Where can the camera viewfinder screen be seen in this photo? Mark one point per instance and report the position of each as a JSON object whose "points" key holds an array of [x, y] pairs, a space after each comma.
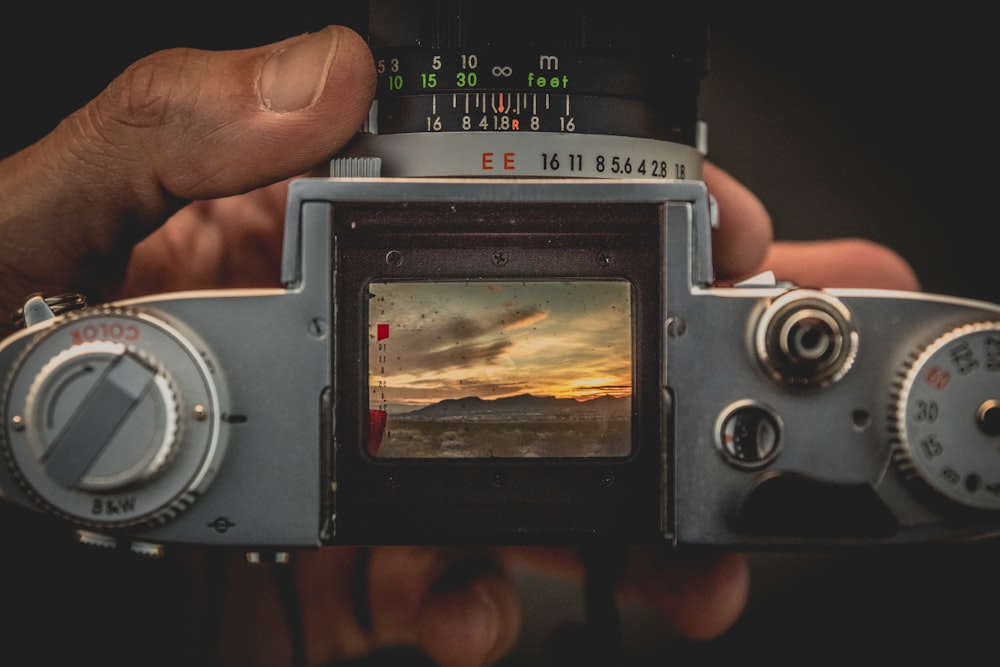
{"points": [[518, 369]]}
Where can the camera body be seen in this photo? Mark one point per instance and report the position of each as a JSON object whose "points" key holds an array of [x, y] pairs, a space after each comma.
{"points": [[507, 361], [499, 323]]}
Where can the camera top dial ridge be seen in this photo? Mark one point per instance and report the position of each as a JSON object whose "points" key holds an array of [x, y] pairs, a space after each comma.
{"points": [[946, 417]]}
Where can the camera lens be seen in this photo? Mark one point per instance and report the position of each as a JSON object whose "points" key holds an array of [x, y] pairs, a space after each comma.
{"points": [[544, 88]]}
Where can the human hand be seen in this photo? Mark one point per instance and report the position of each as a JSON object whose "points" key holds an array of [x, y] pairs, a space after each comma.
{"points": [[174, 178], [743, 246], [179, 126]]}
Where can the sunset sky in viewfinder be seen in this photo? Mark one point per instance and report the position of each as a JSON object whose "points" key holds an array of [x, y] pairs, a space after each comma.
{"points": [[568, 339]]}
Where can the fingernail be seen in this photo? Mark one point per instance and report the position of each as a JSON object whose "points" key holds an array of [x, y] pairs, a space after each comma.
{"points": [[294, 77]]}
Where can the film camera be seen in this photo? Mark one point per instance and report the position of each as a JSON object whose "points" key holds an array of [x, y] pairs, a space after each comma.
{"points": [[500, 323]]}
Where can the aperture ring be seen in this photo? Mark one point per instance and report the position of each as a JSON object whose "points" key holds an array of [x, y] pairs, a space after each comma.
{"points": [[519, 154]]}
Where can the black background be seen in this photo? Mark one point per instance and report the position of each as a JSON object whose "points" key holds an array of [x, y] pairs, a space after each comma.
{"points": [[845, 122]]}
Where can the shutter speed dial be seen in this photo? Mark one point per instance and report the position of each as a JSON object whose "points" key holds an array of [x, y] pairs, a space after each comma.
{"points": [[947, 416], [114, 418]]}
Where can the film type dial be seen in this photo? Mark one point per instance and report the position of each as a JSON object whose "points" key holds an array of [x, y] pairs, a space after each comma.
{"points": [[113, 419], [946, 416]]}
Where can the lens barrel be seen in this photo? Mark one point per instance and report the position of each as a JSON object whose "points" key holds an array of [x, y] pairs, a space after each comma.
{"points": [[532, 89], [556, 66]]}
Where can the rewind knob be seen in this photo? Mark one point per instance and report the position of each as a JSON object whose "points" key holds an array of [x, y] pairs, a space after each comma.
{"points": [[114, 417], [101, 417]]}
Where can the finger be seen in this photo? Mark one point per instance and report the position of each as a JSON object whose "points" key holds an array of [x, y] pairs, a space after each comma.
{"points": [[840, 263], [457, 605], [177, 125], [699, 596], [221, 243], [743, 237], [469, 617]]}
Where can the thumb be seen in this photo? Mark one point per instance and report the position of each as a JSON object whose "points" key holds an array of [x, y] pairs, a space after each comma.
{"points": [[178, 125]]}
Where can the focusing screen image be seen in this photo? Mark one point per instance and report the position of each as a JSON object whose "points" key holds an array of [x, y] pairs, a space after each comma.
{"points": [[500, 369]]}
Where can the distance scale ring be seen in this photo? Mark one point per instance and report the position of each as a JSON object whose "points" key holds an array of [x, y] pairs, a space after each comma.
{"points": [[612, 72], [113, 418], [945, 420]]}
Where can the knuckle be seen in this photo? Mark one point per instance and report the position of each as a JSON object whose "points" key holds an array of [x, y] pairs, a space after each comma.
{"points": [[149, 92]]}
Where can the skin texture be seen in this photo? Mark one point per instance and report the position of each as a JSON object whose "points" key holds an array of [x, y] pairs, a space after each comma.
{"points": [[183, 161]]}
